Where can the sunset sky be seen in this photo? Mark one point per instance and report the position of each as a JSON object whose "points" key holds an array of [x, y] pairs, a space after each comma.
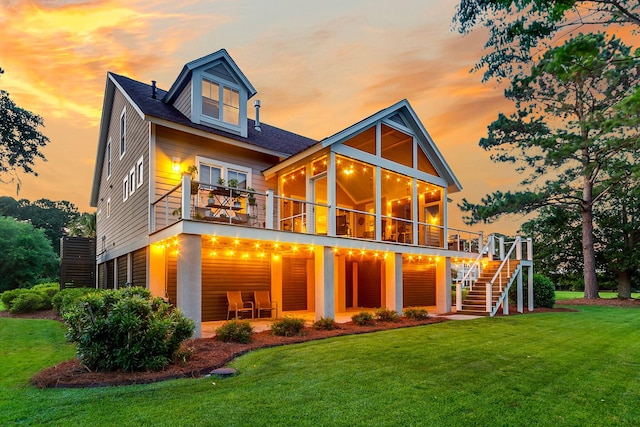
{"points": [[318, 67]]}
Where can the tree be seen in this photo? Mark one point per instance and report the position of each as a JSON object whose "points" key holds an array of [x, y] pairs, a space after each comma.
{"points": [[518, 29], [26, 255], [569, 131], [20, 140], [83, 226]]}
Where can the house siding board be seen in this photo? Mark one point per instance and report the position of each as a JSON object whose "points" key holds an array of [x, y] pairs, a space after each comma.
{"points": [[220, 274], [109, 274], [139, 267], [183, 101], [128, 221], [419, 284], [101, 276], [369, 283], [294, 284], [122, 271]]}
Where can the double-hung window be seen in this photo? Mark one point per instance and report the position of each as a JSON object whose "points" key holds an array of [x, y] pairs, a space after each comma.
{"points": [[109, 158], [220, 102], [210, 172], [123, 132]]}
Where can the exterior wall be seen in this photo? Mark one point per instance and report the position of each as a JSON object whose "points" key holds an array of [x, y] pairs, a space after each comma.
{"points": [[419, 284], [126, 229], [171, 143], [183, 101], [139, 267], [294, 284]]}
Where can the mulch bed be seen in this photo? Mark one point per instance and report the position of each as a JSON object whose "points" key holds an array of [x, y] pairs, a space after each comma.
{"points": [[209, 354]]}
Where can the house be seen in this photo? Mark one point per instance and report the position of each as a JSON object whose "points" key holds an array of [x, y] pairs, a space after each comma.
{"points": [[356, 220]]}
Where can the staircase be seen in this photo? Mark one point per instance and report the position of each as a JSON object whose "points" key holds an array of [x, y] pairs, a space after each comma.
{"points": [[475, 303]]}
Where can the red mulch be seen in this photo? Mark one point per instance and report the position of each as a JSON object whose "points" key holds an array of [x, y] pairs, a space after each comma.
{"points": [[209, 354]]}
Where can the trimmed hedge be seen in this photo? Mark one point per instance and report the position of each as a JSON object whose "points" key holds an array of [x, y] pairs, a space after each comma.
{"points": [[126, 329], [27, 300], [288, 326], [239, 331], [68, 297]]}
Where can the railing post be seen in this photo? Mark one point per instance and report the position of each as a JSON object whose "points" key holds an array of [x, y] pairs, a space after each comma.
{"points": [[501, 241], [492, 246], [488, 294], [529, 249], [480, 241], [186, 196], [518, 248], [505, 306], [269, 218], [459, 295]]}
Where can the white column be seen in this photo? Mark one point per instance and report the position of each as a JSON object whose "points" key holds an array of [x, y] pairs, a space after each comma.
{"points": [[269, 210], [324, 283], [186, 196], [378, 201], [443, 285], [189, 279], [530, 288], [519, 290], [393, 282], [331, 195]]}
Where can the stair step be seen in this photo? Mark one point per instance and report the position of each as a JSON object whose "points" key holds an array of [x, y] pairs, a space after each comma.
{"points": [[472, 312]]}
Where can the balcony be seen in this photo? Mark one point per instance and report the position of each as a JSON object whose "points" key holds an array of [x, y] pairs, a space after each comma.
{"points": [[248, 208]]}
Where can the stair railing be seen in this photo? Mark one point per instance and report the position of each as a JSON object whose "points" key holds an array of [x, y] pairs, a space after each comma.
{"points": [[477, 264], [498, 275]]}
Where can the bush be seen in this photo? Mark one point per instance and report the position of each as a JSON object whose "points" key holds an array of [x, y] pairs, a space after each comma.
{"points": [[235, 331], [27, 302], [325, 323], [7, 297], [288, 326], [364, 318], [68, 297], [544, 292], [125, 329], [416, 313], [387, 315]]}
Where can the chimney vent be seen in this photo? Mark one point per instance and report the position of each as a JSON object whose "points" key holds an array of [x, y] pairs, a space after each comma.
{"points": [[257, 105], [154, 89]]}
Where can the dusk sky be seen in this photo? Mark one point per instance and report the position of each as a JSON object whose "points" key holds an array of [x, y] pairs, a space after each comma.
{"points": [[318, 67]]}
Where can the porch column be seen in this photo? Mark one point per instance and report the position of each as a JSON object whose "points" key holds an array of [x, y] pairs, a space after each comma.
{"points": [[443, 285], [276, 284], [393, 282], [189, 279], [530, 288], [324, 283]]}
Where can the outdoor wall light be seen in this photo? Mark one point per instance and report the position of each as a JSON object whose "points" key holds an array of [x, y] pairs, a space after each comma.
{"points": [[175, 164]]}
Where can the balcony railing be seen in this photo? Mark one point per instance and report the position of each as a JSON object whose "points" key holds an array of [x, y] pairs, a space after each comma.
{"points": [[249, 208]]}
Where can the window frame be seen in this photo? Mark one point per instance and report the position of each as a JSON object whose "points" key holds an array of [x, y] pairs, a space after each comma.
{"points": [[140, 172], [123, 132], [224, 169], [109, 166], [222, 86], [109, 207], [132, 181], [125, 188]]}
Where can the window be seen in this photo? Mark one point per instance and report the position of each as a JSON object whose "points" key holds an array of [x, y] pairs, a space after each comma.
{"points": [[125, 189], [212, 93], [108, 207], [132, 181], [123, 132], [139, 172], [109, 158], [210, 171]]}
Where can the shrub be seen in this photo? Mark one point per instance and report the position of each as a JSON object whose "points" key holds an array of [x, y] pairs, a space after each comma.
{"points": [[544, 292], [235, 331], [27, 302], [68, 297], [288, 326], [8, 297], [325, 323], [416, 313], [364, 318], [125, 329], [48, 291], [387, 315]]}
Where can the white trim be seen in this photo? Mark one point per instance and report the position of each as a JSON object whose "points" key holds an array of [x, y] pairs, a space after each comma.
{"points": [[122, 125], [140, 172], [132, 180], [126, 96], [109, 165], [109, 207], [197, 116], [224, 168], [125, 188]]}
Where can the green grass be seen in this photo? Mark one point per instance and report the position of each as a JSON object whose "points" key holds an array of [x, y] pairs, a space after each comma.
{"points": [[549, 369], [562, 295]]}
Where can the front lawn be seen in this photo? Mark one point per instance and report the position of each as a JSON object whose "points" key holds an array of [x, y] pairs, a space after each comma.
{"points": [[570, 368], [563, 295]]}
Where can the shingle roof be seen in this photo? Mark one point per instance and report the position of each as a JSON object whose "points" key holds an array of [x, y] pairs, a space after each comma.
{"points": [[270, 137]]}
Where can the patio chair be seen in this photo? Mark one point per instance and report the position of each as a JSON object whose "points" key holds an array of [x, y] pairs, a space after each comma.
{"points": [[236, 304], [263, 302]]}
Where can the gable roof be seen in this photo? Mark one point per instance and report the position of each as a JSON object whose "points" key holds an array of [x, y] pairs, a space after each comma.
{"points": [[401, 110], [269, 139], [185, 75]]}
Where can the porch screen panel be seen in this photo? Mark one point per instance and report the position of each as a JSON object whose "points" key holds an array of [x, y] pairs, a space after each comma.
{"points": [[139, 267], [122, 271], [294, 284], [419, 284], [229, 273], [369, 284], [109, 275]]}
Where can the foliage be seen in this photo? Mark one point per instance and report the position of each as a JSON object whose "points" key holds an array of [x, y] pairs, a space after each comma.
{"points": [[83, 226], [544, 292], [325, 324], [364, 318], [415, 313], [67, 298], [25, 255], [20, 139], [288, 326], [386, 315], [50, 216], [518, 29], [239, 331], [126, 329], [28, 302], [568, 134]]}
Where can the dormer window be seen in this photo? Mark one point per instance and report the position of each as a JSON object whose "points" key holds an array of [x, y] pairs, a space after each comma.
{"points": [[212, 93]]}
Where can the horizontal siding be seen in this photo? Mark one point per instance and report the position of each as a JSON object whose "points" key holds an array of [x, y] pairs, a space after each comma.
{"points": [[294, 284], [419, 284], [122, 270], [369, 283], [183, 101], [139, 267], [128, 222]]}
